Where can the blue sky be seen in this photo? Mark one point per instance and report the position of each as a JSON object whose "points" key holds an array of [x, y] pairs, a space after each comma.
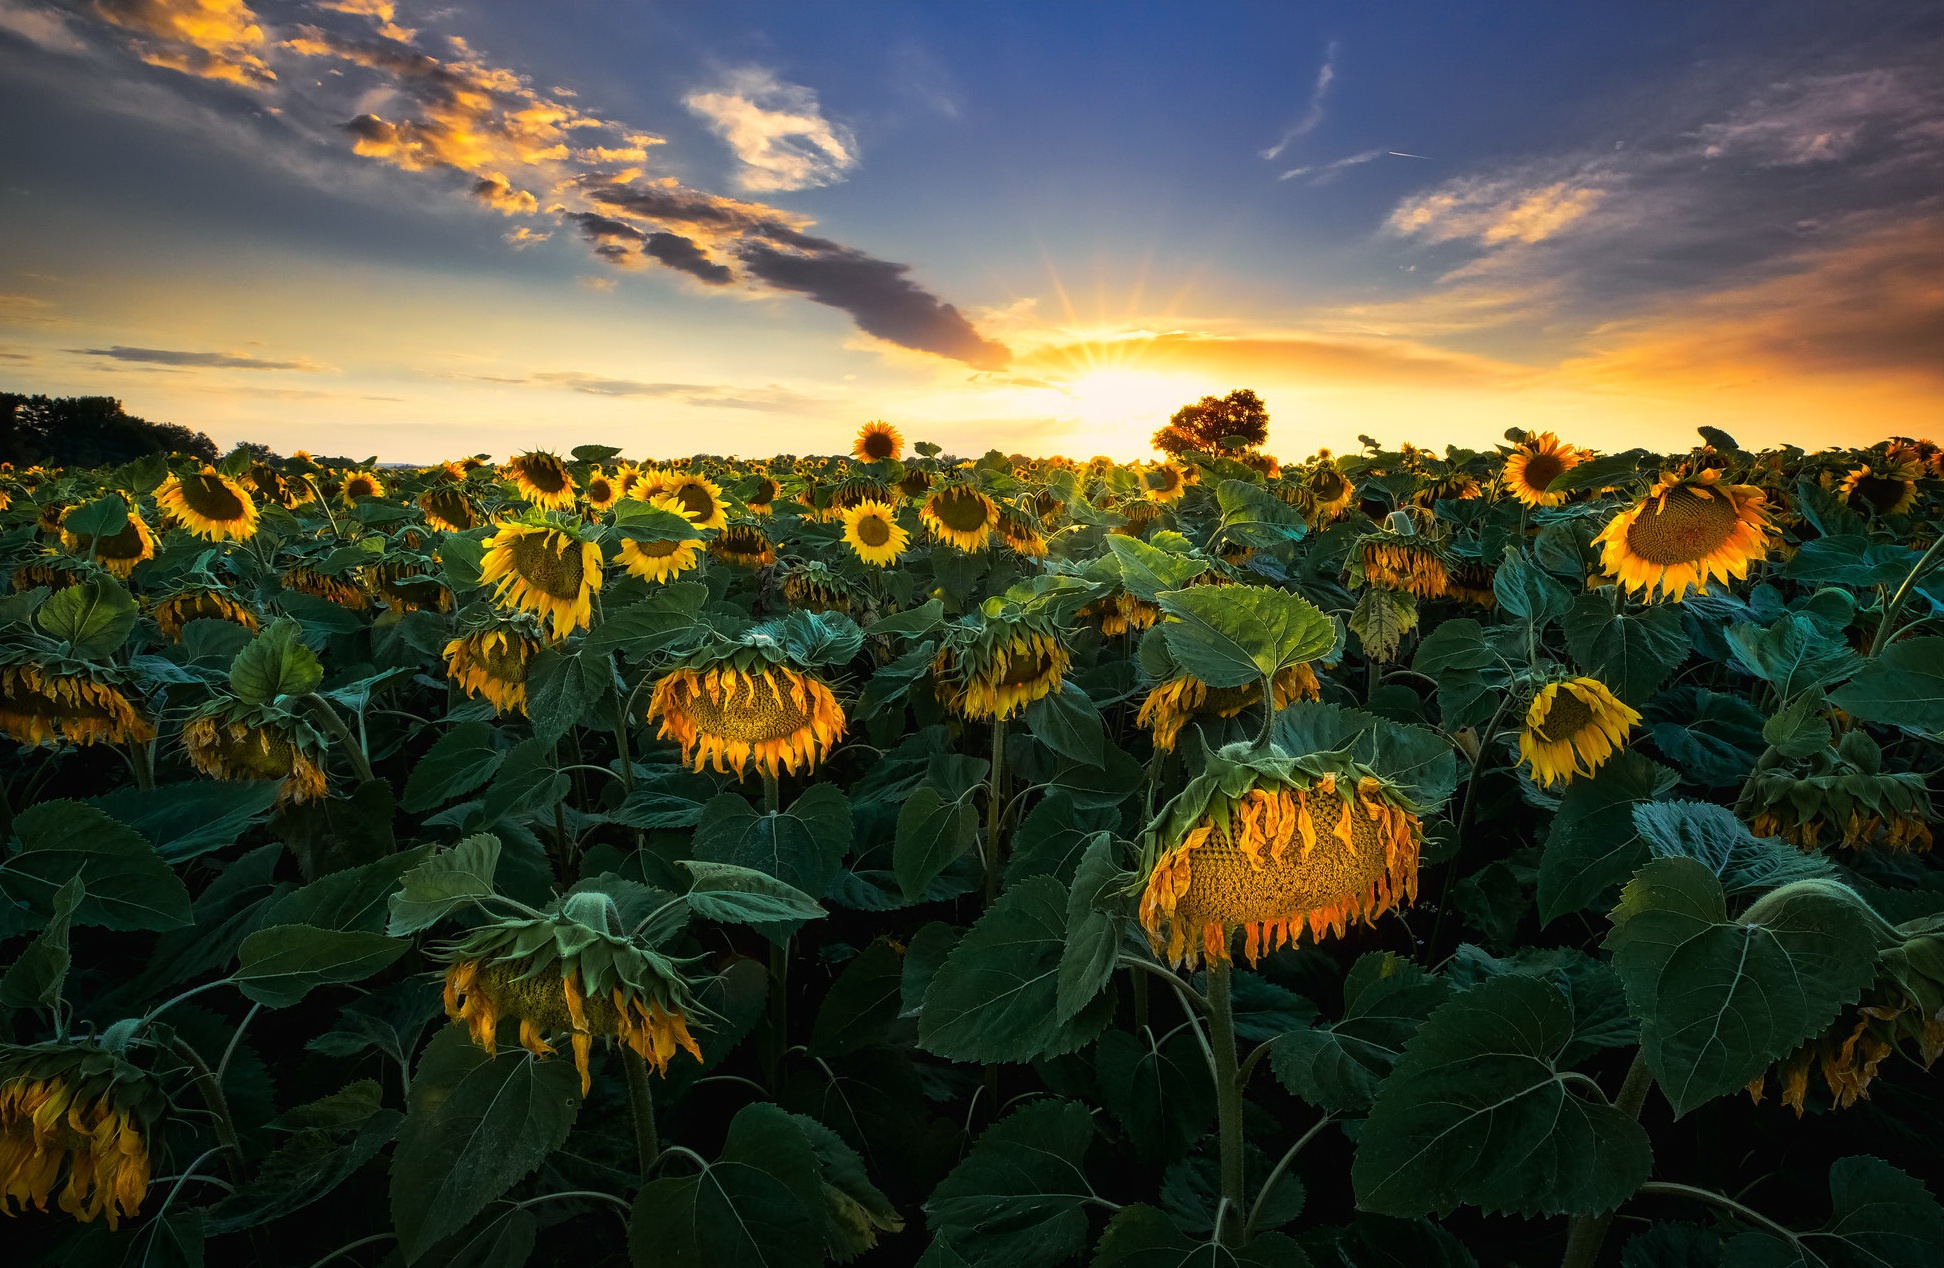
{"points": [[424, 229]]}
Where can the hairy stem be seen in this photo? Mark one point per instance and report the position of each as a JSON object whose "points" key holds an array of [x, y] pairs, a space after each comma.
{"points": [[641, 1099], [1895, 606], [1585, 1234], [342, 734], [212, 1096], [1228, 1087], [995, 802]]}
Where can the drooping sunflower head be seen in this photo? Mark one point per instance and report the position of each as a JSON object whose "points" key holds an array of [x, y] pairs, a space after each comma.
{"points": [[1571, 728], [1456, 486], [39, 704], [662, 560], [212, 506], [744, 546], [362, 484], [1270, 845], [1535, 464], [571, 974], [738, 712], [994, 670], [75, 1112], [117, 552], [224, 747], [959, 515], [410, 587], [1164, 482], [813, 587], [1020, 535], [267, 484], [542, 479], [878, 441], [873, 533], [50, 513], [1411, 562], [853, 492], [200, 603], [1841, 797], [762, 499], [699, 495], [1328, 491], [1884, 487], [492, 664], [447, 508], [916, 483], [1686, 533], [544, 569], [345, 589], [56, 572], [1470, 581], [1141, 514], [1171, 705], [602, 491]]}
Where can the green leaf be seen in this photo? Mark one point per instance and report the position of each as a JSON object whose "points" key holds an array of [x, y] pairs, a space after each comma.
{"points": [[862, 1003], [1527, 592], [1142, 1237], [1712, 836], [1053, 836], [1717, 998], [758, 1205], [1228, 636], [475, 1125], [280, 965], [1019, 1199], [1477, 1112], [743, 895], [802, 846], [1879, 1217], [1456, 644], [1381, 619], [1158, 1088], [647, 626], [1792, 655], [354, 898], [92, 616], [556, 692], [103, 517], [459, 761], [1631, 652], [639, 521], [128, 885], [1904, 686], [1256, 517], [1339, 1065], [1613, 469], [34, 980], [996, 997], [184, 821], [276, 663], [910, 623], [1067, 722], [1593, 844], [1093, 935], [855, 1211], [1146, 571], [932, 833], [336, 1137], [1800, 730], [448, 879]]}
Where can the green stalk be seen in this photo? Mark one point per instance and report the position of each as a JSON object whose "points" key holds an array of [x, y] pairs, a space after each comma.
{"points": [[212, 1096], [995, 803], [342, 734], [641, 1099], [1896, 603], [1585, 1234], [1228, 1091]]}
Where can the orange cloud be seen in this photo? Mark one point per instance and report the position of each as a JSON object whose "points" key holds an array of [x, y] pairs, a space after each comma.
{"points": [[1283, 357], [1494, 212], [497, 192], [211, 39]]}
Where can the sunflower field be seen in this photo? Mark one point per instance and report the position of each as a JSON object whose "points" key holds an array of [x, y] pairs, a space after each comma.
{"points": [[1392, 859]]}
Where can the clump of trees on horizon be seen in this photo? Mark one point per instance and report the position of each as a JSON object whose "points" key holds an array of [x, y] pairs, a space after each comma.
{"points": [[87, 431]]}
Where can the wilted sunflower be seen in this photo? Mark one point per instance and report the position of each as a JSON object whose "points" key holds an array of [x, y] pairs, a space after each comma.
{"points": [[812, 587], [117, 552], [343, 589], [49, 514], [1840, 797], [546, 570], [1884, 487], [77, 1110], [1000, 669], [574, 974], [54, 572], [915, 483], [223, 747], [730, 717], [213, 507], [878, 441], [699, 495], [1458, 486], [410, 587], [1326, 489], [763, 500], [1171, 705], [1571, 728], [38, 705], [1470, 581], [662, 560], [1271, 845], [1409, 562], [602, 490], [873, 534], [1020, 536], [1536, 464], [361, 484], [1686, 533], [447, 508], [959, 515], [1120, 613], [492, 664], [1164, 482], [542, 479], [1140, 515], [744, 546], [201, 603]]}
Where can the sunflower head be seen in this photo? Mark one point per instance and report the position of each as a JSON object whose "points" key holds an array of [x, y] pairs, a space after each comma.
{"points": [[994, 667], [738, 711], [570, 975], [1535, 464], [1399, 560], [542, 479], [56, 572], [662, 560], [813, 587], [699, 495], [915, 483], [1840, 797], [1885, 487], [212, 506], [1271, 845], [544, 568], [78, 1113], [1164, 482], [447, 508], [362, 484], [1326, 491], [602, 491], [744, 546], [409, 587], [1021, 536], [118, 552], [491, 663], [1470, 581], [200, 603], [1571, 728], [345, 589], [762, 499], [49, 514], [878, 441], [39, 704], [959, 515], [1686, 533], [1171, 705], [873, 533], [225, 747]]}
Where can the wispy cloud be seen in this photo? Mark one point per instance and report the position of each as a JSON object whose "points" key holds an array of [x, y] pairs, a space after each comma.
{"points": [[211, 39], [206, 360], [1312, 115], [41, 27], [27, 310], [1324, 173], [1494, 210], [700, 394], [777, 131]]}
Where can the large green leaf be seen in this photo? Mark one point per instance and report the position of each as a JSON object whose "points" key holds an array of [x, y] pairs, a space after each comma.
{"points": [[1069, 723], [1096, 923], [1631, 652], [1158, 1087], [862, 1004], [650, 624], [1879, 1218], [1256, 517], [1593, 844], [1902, 687], [280, 965], [1714, 837], [1228, 636], [1143, 1237], [276, 663], [93, 616], [758, 1205], [459, 761], [475, 1124], [449, 879], [103, 517], [1792, 655], [743, 895], [802, 846], [1019, 1199], [35, 979], [933, 831], [189, 819], [1146, 571], [128, 884], [333, 1138], [1719, 998], [1339, 1065], [1478, 1111], [355, 898]]}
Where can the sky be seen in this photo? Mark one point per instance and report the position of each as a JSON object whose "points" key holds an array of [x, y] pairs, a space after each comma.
{"points": [[419, 229]]}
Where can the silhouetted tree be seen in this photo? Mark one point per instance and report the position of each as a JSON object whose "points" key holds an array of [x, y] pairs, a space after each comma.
{"points": [[1229, 424], [87, 431]]}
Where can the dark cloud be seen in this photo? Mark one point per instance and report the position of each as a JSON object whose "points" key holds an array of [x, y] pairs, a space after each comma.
{"points": [[621, 243], [212, 360], [682, 253], [703, 394]]}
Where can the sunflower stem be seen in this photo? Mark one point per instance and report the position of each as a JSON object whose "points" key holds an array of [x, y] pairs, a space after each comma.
{"points": [[779, 1011], [1585, 1234], [995, 802], [621, 747], [212, 1096], [772, 793], [641, 1099], [1269, 712], [142, 760], [1895, 605], [1228, 1085], [342, 734]]}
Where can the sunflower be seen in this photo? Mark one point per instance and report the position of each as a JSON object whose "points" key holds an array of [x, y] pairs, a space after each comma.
{"points": [[872, 533], [1882, 488], [542, 479], [915, 483], [1172, 704], [447, 508], [699, 495], [770, 715], [763, 500], [49, 514], [960, 515], [1020, 536], [1470, 581], [812, 587], [361, 484], [1140, 515], [660, 561], [1164, 482], [1686, 533], [1327, 491], [744, 546], [1269, 845], [1845, 796], [38, 705], [574, 974], [343, 589], [545, 570], [1571, 728], [408, 587], [213, 507], [1536, 463], [602, 490], [267, 484], [79, 1110], [1120, 613], [878, 441], [1000, 670], [222, 747], [1456, 487], [118, 552], [1402, 561], [203, 603], [492, 664], [54, 572]]}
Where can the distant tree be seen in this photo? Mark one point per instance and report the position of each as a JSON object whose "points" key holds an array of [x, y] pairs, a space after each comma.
{"points": [[87, 431], [1231, 424]]}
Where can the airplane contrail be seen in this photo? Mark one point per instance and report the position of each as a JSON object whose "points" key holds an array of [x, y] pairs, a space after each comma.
{"points": [[1402, 154]]}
